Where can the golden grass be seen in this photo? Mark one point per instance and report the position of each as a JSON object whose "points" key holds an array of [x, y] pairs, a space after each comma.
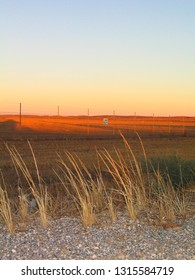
{"points": [[111, 207], [86, 192], [23, 206], [39, 192], [91, 192], [5, 209]]}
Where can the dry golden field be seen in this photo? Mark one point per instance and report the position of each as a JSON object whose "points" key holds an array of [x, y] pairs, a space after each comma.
{"points": [[84, 135], [93, 126]]}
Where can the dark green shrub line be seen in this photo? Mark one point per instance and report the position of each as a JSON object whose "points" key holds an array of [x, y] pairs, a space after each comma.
{"points": [[180, 172]]}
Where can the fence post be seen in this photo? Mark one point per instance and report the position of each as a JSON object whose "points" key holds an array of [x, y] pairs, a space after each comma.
{"points": [[20, 115]]}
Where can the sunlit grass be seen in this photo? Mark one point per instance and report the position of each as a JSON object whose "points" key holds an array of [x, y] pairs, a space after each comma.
{"points": [[5, 209], [86, 192], [38, 191], [133, 185]]}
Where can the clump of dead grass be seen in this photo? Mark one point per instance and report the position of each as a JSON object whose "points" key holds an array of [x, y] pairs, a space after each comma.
{"points": [[86, 192], [39, 191], [5, 209]]}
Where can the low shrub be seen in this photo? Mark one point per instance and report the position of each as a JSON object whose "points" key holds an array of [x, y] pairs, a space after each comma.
{"points": [[180, 172]]}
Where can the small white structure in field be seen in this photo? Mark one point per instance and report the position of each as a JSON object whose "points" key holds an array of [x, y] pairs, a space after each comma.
{"points": [[105, 121]]}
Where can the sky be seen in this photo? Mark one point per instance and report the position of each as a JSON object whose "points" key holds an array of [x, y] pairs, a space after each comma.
{"points": [[125, 56]]}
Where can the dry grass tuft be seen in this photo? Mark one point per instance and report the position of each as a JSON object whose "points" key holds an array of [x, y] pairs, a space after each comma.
{"points": [[111, 207], [5, 210], [86, 192], [23, 207], [39, 192]]}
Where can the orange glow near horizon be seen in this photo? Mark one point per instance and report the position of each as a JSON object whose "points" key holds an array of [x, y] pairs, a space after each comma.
{"points": [[76, 101]]}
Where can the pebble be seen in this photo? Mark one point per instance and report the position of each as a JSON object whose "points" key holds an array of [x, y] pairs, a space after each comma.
{"points": [[67, 239]]}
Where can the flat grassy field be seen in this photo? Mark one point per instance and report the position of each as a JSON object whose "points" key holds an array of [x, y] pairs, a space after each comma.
{"points": [[84, 135], [94, 126]]}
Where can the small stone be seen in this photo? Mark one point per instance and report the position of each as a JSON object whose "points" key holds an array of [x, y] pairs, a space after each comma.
{"points": [[153, 256], [32, 204], [122, 257], [139, 254], [174, 228], [13, 251]]}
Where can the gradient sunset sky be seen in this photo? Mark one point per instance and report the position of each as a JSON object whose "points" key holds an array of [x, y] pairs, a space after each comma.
{"points": [[123, 55]]}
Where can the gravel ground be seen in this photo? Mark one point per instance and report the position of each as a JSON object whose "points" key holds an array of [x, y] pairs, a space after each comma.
{"points": [[66, 238]]}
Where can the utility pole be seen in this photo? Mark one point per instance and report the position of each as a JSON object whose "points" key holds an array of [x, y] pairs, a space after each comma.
{"points": [[153, 124], [20, 115], [169, 124], [184, 130], [113, 131], [88, 121], [135, 121]]}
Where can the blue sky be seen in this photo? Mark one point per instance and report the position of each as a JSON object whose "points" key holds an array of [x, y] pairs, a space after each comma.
{"points": [[127, 55]]}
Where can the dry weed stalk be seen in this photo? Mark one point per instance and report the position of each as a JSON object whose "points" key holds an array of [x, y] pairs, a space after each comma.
{"points": [[111, 208], [40, 193], [170, 202], [5, 210], [126, 181], [85, 191], [23, 207]]}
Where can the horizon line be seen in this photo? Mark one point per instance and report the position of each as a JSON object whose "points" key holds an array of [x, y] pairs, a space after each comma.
{"points": [[100, 115]]}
